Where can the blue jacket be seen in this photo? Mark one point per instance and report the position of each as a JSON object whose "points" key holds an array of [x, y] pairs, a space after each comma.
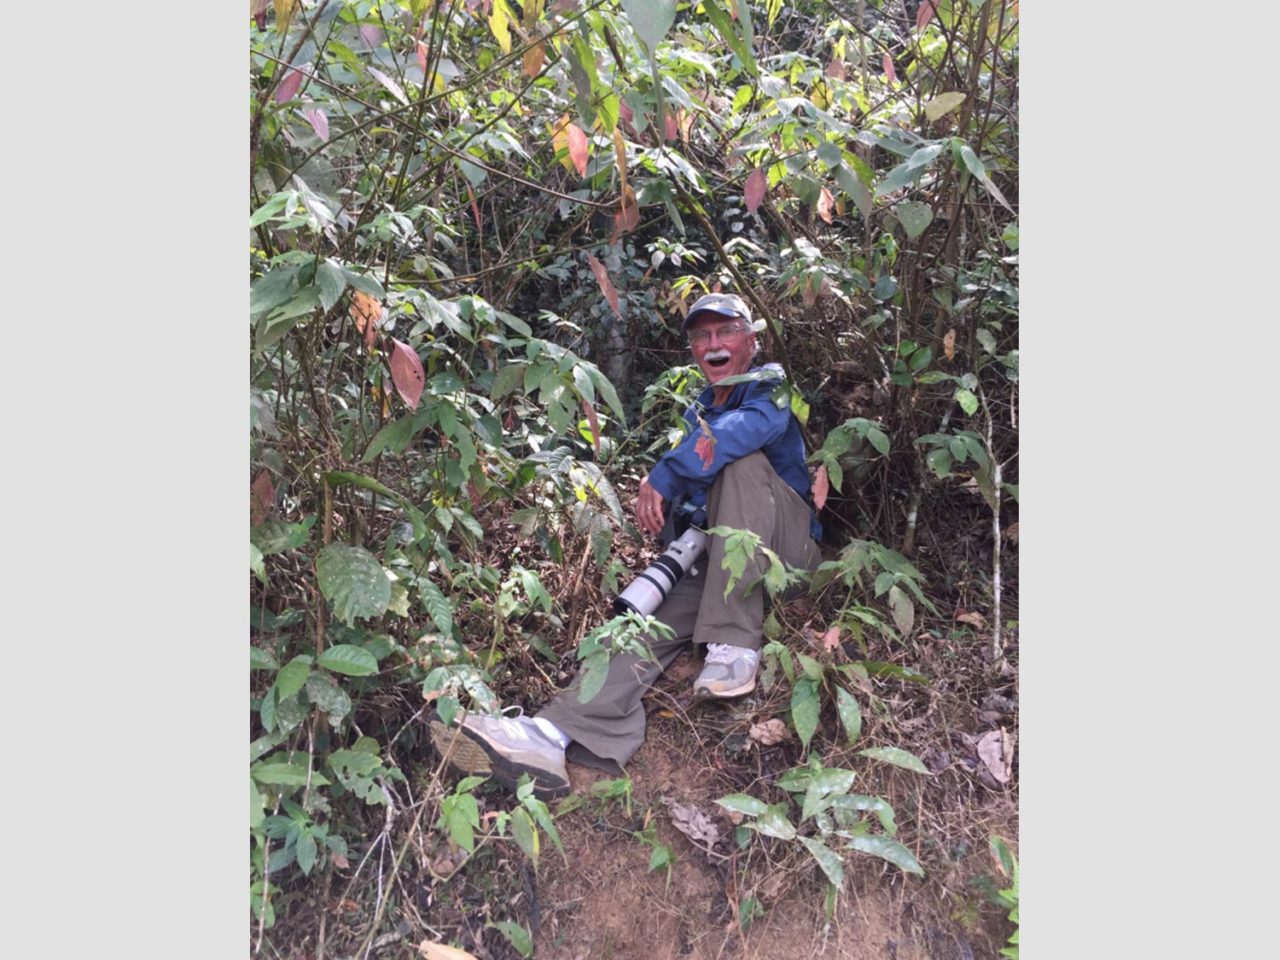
{"points": [[748, 421]]}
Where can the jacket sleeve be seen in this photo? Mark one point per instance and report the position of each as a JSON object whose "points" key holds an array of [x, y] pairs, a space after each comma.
{"points": [[754, 424]]}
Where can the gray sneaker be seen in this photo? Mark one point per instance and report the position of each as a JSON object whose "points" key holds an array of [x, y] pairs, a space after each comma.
{"points": [[503, 748], [729, 672]]}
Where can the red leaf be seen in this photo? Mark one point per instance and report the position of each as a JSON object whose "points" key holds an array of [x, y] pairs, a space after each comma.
{"points": [[407, 373], [821, 487], [339, 860], [925, 12], [831, 640], [757, 186], [371, 35], [624, 111], [263, 499], [705, 445], [289, 86], [887, 64], [260, 13], [319, 123], [422, 55], [475, 207], [825, 202], [578, 148], [672, 128], [606, 285], [628, 215], [593, 421], [835, 70]]}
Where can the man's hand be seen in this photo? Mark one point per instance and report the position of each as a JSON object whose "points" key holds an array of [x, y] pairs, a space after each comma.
{"points": [[649, 507]]}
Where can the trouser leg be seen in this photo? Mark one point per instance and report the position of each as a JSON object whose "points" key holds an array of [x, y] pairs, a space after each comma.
{"points": [[749, 495], [611, 725]]}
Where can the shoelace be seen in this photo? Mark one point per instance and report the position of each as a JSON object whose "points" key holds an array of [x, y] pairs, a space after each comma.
{"points": [[727, 653]]}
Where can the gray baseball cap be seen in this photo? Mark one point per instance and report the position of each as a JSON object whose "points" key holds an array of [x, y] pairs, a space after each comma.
{"points": [[724, 304]]}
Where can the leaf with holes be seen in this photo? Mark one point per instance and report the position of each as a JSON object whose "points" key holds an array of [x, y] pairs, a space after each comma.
{"points": [[888, 849], [606, 285], [353, 581], [349, 659], [850, 713], [757, 186], [407, 373], [896, 756]]}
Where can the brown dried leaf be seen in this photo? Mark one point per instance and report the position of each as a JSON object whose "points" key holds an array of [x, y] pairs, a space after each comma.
{"points": [[672, 128], [533, 58], [757, 185], [692, 822], [606, 285], [593, 421], [628, 215], [560, 141], [1011, 532], [366, 312], [440, 951], [685, 120], [620, 155], [990, 749], [949, 344], [770, 732], [831, 640], [821, 487], [263, 498], [972, 618], [578, 148], [825, 202], [407, 373], [475, 207]]}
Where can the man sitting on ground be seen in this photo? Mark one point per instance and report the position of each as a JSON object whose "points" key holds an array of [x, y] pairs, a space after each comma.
{"points": [[748, 474]]}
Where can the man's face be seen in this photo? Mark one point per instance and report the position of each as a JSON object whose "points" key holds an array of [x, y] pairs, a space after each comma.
{"points": [[722, 346]]}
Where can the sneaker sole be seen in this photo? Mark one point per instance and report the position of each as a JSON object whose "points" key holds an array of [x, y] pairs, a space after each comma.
{"points": [[471, 754], [703, 693]]}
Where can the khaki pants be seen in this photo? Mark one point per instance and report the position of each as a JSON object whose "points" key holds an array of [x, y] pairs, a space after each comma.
{"points": [[748, 495]]}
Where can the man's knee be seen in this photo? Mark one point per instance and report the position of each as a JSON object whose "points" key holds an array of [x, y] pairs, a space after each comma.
{"points": [[754, 468]]}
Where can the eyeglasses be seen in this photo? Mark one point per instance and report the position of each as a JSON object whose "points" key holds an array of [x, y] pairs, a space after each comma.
{"points": [[727, 332]]}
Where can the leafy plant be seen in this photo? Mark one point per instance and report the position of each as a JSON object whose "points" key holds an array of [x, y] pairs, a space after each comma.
{"points": [[1007, 863]]}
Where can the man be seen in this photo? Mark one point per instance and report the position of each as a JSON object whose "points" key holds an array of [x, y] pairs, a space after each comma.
{"points": [[747, 469]]}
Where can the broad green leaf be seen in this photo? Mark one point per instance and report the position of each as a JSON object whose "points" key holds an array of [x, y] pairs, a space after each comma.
{"points": [[292, 676], [306, 852], [774, 823], [594, 672], [811, 667], [804, 709], [878, 440], [822, 786], [349, 659], [942, 104], [888, 849], [283, 774], [518, 935], [256, 804], [968, 402], [897, 178], [260, 659], [526, 835], [849, 806], [434, 602], [650, 19], [896, 756], [256, 563], [914, 217], [353, 581], [987, 339], [827, 859], [904, 612], [850, 713], [973, 162], [742, 803], [329, 697]]}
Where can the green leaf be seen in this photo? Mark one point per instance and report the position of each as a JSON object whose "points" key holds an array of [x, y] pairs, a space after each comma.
{"points": [[526, 834], [329, 697], [518, 936], [256, 804], [742, 803], [888, 849], [896, 756], [942, 104], [353, 581], [650, 19], [331, 281], [878, 440], [774, 823], [847, 807], [292, 676], [434, 602], [256, 563], [914, 217], [594, 672], [968, 402], [282, 774], [804, 709], [821, 787], [827, 859], [306, 852], [904, 612], [349, 659], [973, 163], [850, 713], [260, 659]]}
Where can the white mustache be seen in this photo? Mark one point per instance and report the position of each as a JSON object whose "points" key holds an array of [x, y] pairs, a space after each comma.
{"points": [[718, 354]]}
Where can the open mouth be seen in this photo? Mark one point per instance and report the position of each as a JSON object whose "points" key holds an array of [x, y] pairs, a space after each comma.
{"points": [[717, 360]]}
